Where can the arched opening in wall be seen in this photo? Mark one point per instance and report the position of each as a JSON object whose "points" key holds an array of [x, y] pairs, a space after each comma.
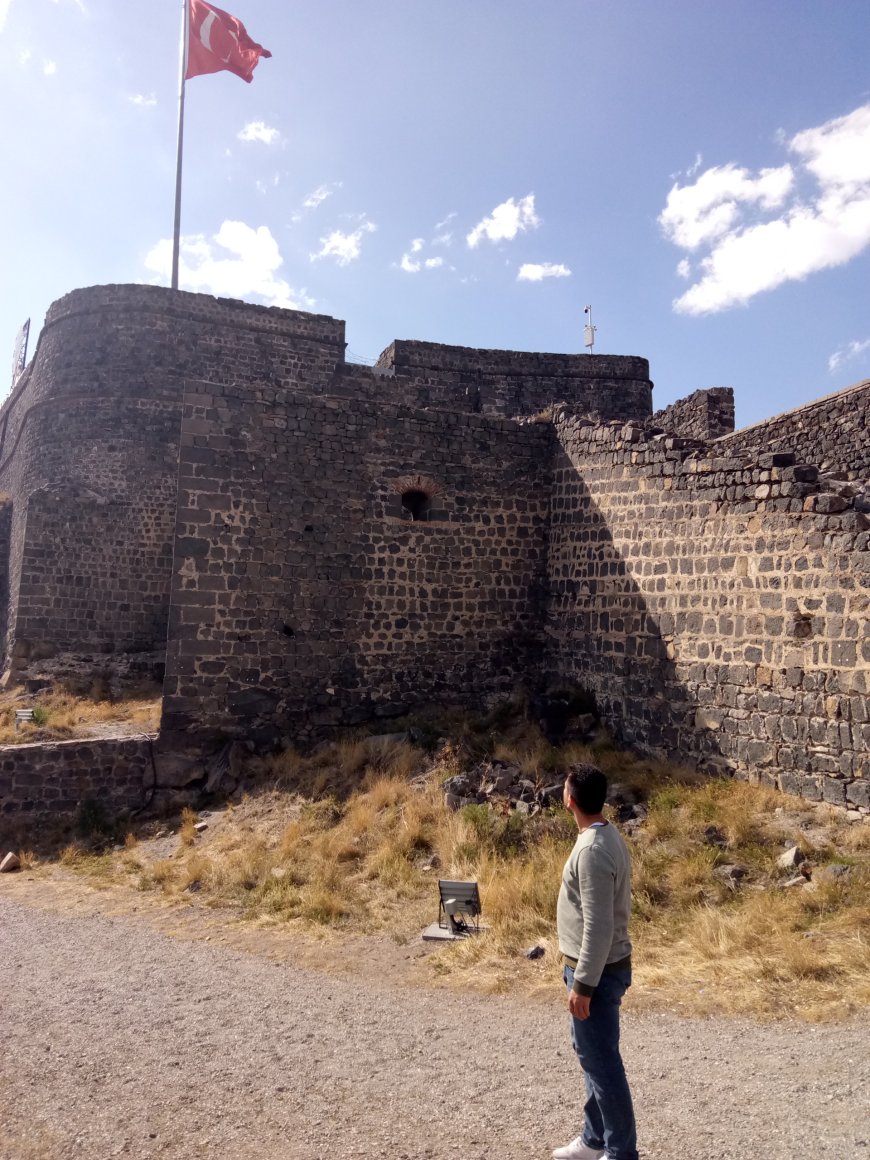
{"points": [[417, 503], [413, 498]]}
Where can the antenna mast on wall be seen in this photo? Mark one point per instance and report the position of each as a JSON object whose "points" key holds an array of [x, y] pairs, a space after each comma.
{"points": [[589, 330]]}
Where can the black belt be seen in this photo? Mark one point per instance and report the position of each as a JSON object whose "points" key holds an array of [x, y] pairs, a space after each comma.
{"points": [[619, 965]]}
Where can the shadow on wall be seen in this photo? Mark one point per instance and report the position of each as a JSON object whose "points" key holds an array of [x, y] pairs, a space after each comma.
{"points": [[5, 549], [603, 637]]}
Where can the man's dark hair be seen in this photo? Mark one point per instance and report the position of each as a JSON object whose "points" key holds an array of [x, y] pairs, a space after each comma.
{"points": [[587, 785]]}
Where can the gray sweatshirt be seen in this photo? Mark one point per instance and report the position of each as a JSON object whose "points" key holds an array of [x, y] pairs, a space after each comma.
{"points": [[595, 904]]}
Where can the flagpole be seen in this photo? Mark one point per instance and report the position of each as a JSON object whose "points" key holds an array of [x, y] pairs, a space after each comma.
{"points": [[176, 234]]}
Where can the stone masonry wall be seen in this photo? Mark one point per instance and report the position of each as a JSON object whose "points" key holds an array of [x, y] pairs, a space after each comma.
{"points": [[94, 574], [305, 595], [5, 552], [718, 607], [76, 457], [42, 786], [705, 414], [507, 383], [833, 433], [89, 449], [173, 459]]}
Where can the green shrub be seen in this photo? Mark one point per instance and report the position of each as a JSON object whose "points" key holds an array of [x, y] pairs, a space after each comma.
{"points": [[92, 819]]}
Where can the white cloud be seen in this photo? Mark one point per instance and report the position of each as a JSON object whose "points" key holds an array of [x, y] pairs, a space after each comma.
{"points": [[728, 213], [412, 265], [537, 271], [142, 100], [838, 152], [506, 221], [319, 195], [684, 268], [49, 67], [259, 131], [704, 211], [345, 248], [264, 186], [847, 353], [444, 235], [238, 262]]}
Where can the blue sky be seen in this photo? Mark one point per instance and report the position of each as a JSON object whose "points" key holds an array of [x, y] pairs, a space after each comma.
{"points": [[469, 171]]}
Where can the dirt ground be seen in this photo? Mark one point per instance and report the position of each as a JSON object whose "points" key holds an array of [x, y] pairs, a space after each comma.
{"points": [[135, 1027], [376, 958]]}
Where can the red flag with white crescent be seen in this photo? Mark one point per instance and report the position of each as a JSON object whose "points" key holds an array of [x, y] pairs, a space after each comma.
{"points": [[218, 42]]}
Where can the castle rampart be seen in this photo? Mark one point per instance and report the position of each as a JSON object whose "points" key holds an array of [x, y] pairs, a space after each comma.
{"points": [[323, 543], [509, 383], [718, 607], [833, 433], [308, 594], [89, 452]]}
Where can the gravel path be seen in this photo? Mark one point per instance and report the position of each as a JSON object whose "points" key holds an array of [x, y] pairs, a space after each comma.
{"points": [[116, 1040]]}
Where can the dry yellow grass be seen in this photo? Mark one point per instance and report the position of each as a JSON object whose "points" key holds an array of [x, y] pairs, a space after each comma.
{"points": [[63, 716], [187, 833], [314, 850]]}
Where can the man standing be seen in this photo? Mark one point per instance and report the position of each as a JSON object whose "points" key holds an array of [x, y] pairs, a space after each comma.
{"points": [[592, 921]]}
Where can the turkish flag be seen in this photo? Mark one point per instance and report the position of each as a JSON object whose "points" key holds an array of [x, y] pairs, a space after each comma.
{"points": [[218, 42]]}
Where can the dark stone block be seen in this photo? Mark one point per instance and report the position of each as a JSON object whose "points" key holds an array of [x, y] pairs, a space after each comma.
{"points": [[252, 702]]}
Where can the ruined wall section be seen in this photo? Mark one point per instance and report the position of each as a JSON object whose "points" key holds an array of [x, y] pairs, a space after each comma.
{"points": [[89, 450], [305, 595], [717, 607], [832, 432], [704, 415], [505, 383]]}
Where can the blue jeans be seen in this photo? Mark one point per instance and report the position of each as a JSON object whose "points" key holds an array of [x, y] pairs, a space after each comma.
{"points": [[609, 1122]]}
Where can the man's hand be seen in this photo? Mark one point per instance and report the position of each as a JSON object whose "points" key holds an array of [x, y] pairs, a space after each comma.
{"points": [[578, 1005]]}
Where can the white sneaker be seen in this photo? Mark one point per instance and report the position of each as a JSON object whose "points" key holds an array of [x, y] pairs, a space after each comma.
{"points": [[577, 1150]]}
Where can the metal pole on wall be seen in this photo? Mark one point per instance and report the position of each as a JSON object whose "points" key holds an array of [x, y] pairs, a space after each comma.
{"points": [[176, 233]]}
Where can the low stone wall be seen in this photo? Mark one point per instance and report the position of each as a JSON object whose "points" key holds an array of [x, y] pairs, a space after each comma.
{"points": [[43, 786]]}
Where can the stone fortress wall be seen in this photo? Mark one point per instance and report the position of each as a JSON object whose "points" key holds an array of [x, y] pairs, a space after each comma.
{"points": [[88, 450], [719, 607], [322, 543], [831, 433], [309, 596]]}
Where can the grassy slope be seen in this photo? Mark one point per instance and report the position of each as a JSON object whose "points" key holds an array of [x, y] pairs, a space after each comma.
{"points": [[308, 849]]}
